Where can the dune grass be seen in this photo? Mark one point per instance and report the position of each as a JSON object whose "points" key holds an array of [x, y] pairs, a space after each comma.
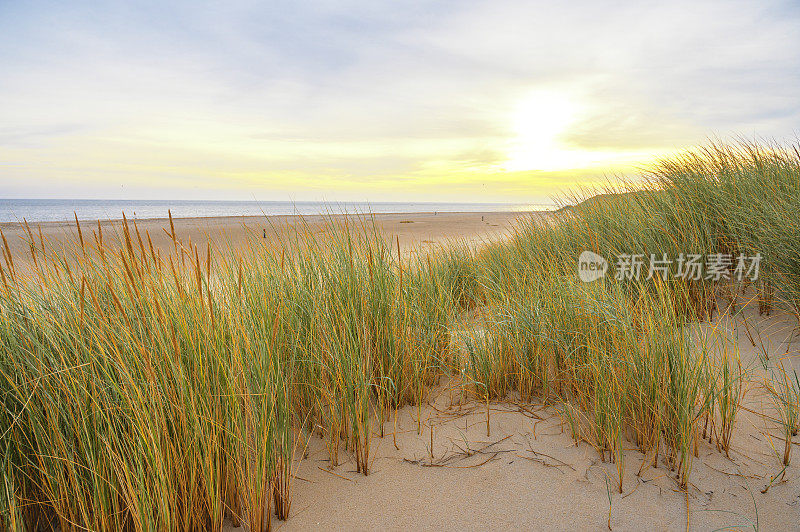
{"points": [[143, 391], [146, 392]]}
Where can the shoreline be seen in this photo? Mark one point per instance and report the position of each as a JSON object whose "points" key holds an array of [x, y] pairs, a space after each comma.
{"points": [[247, 217]]}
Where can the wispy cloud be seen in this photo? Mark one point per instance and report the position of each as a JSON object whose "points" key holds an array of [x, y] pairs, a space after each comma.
{"points": [[377, 100]]}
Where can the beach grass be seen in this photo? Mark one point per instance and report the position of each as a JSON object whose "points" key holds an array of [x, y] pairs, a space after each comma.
{"points": [[149, 391]]}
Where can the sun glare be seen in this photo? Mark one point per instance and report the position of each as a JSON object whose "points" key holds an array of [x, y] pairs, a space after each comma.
{"points": [[538, 121]]}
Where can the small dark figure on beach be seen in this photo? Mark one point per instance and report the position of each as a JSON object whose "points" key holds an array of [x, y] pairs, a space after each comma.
{"points": [[265, 233]]}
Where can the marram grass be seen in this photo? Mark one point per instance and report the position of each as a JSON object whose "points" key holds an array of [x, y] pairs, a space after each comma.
{"points": [[146, 392], [150, 391]]}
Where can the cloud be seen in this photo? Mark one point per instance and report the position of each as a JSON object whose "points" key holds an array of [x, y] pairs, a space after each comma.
{"points": [[338, 97]]}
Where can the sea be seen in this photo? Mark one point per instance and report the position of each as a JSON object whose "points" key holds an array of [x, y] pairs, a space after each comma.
{"points": [[55, 210]]}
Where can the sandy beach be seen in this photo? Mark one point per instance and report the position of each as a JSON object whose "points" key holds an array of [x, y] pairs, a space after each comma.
{"points": [[415, 231]]}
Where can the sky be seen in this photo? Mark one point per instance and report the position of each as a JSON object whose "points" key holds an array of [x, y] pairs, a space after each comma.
{"points": [[484, 101]]}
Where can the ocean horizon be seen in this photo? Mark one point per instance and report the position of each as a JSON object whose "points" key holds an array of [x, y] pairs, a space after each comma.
{"points": [[58, 210]]}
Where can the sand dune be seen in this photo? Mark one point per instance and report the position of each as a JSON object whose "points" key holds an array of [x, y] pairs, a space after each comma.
{"points": [[528, 474]]}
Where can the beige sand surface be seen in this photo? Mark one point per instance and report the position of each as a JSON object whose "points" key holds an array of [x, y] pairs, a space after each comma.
{"points": [[528, 474], [416, 231]]}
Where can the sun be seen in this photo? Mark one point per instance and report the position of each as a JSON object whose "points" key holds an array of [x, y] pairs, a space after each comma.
{"points": [[538, 123]]}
